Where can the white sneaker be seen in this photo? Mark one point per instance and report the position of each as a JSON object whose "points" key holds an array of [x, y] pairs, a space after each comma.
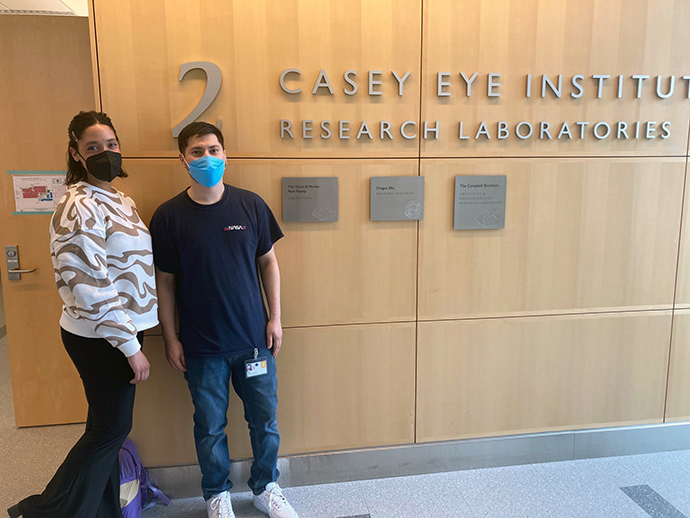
{"points": [[273, 503], [219, 506]]}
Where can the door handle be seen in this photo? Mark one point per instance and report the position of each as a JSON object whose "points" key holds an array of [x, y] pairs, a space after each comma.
{"points": [[14, 273]]}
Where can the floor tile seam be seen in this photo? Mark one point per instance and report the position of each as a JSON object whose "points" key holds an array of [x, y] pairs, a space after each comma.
{"points": [[618, 493], [683, 467], [359, 502], [653, 474], [361, 493], [396, 485], [666, 489], [605, 473], [10, 449], [488, 474], [459, 489], [562, 492], [457, 483], [622, 459], [7, 428], [540, 475], [569, 496], [619, 460]]}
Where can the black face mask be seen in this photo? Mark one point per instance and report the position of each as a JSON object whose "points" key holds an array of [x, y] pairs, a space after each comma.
{"points": [[104, 166]]}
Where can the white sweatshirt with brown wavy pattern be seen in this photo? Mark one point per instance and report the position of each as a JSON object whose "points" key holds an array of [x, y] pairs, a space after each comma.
{"points": [[103, 263]]}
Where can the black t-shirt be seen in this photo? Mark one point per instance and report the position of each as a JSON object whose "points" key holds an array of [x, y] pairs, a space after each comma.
{"points": [[212, 250]]}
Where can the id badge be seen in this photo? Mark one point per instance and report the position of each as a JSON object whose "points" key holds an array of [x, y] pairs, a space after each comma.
{"points": [[256, 366]]}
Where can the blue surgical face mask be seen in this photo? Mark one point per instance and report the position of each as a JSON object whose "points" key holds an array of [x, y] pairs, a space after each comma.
{"points": [[207, 170]]}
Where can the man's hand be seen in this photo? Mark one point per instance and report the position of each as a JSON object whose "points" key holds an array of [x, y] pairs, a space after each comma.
{"points": [[274, 336], [175, 354], [140, 366]]}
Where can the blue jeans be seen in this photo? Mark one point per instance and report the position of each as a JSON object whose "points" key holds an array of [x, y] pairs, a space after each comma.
{"points": [[208, 380]]}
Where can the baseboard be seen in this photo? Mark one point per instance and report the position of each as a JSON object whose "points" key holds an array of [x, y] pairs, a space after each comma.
{"points": [[417, 459]]}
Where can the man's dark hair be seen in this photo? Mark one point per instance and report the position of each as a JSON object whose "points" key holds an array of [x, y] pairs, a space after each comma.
{"points": [[197, 129]]}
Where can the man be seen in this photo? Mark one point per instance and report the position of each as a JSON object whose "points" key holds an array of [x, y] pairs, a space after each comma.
{"points": [[207, 243]]}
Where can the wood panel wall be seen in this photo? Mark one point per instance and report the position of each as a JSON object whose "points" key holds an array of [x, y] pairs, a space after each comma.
{"points": [[566, 318], [520, 37]]}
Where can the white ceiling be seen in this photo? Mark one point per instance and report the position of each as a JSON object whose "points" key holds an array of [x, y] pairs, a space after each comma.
{"points": [[49, 7]]}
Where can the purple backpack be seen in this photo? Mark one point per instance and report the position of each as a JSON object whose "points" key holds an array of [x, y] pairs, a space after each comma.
{"points": [[135, 488]]}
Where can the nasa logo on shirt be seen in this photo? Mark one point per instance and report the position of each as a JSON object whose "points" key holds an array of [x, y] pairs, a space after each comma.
{"points": [[234, 227]]}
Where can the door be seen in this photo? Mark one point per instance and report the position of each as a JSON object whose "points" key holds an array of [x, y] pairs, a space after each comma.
{"points": [[46, 80]]}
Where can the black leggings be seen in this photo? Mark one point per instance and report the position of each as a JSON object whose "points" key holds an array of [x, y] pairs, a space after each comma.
{"points": [[87, 484]]}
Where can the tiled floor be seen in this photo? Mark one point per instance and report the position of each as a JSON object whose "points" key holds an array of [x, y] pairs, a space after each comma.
{"points": [[637, 486], [577, 489]]}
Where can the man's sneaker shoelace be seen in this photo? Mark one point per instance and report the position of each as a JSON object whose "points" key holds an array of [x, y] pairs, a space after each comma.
{"points": [[220, 503], [276, 499]]}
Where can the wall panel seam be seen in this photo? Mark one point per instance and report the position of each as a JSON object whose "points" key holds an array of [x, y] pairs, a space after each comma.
{"points": [[417, 268], [350, 324], [481, 157], [547, 315], [542, 157], [675, 291], [98, 63], [421, 76], [465, 319]]}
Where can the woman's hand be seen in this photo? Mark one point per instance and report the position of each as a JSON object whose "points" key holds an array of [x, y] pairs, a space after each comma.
{"points": [[140, 366]]}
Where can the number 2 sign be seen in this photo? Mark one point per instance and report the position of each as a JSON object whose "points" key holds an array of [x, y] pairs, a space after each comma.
{"points": [[213, 80]]}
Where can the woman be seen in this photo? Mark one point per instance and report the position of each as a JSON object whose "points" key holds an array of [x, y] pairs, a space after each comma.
{"points": [[101, 252]]}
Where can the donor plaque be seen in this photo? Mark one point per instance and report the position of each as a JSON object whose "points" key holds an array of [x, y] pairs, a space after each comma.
{"points": [[480, 202], [310, 200], [397, 198]]}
